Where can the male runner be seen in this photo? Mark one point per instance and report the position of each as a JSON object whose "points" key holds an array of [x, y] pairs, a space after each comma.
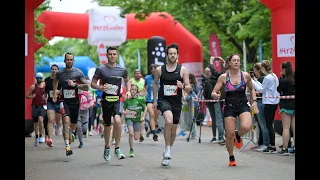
{"points": [[110, 76], [173, 78], [36, 93], [53, 108], [153, 114], [71, 79]]}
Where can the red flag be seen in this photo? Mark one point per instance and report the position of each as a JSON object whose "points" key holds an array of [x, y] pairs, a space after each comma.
{"points": [[214, 45]]}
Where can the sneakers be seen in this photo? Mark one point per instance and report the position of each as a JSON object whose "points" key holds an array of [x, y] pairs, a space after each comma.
{"points": [[36, 142], [90, 134], [155, 137], [238, 141], [165, 162], [80, 145], [283, 152], [41, 140], [215, 141], [68, 151], [270, 150], [181, 133], [166, 154], [49, 143], [141, 138], [118, 154], [106, 154], [232, 161], [261, 148], [113, 141], [131, 153]]}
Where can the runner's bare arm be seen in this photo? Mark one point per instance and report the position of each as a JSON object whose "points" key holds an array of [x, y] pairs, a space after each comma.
{"points": [[155, 87], [185, 76], [83, 84], [95, 78], [29, 93]]}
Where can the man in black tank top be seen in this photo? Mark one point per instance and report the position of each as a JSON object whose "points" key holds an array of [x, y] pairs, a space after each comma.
{"points": [[173, 78]]}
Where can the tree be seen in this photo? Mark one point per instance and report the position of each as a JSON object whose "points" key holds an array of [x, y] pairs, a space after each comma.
{"points": [[234, 21], [38, 34]]}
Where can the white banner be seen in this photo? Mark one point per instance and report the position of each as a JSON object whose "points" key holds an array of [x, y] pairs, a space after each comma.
{"points": [[286, 45], [106, 25]]}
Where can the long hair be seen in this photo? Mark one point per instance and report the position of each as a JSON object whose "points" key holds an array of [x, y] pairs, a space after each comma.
{"points": [[192, 79], [267, 66], [289, 72], [258, 66]]}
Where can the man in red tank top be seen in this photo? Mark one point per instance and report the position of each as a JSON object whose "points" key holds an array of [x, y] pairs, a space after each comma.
{"points": [[36, 92]]}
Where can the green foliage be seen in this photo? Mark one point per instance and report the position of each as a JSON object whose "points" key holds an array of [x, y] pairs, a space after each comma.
{"points": [[38, 27], [233, 21]]}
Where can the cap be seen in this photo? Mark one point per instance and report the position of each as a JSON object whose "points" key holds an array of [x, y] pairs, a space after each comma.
{"points": [[39, 75]]}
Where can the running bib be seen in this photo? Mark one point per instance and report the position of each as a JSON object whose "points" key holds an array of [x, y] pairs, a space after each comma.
{"points": [[170, 90], [69, 93], [98, 100], [51, 93], [131, 114], [151, 96], [112, 89]]}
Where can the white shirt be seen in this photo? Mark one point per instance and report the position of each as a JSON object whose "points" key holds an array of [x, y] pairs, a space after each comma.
{"points": [[268, 88]]}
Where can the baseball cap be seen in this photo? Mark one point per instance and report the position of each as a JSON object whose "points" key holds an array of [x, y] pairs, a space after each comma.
{"points": [[39, 75]]}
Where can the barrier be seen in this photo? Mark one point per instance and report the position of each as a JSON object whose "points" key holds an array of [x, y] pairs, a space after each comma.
{"points": [[250, 135]]}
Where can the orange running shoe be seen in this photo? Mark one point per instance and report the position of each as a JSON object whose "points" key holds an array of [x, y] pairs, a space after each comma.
{"points": [[238, 141], [232, 161]]}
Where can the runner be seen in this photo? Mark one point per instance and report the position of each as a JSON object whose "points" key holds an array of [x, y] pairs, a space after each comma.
{"points": [[110, 76], [71, 79], [173, 78], [53, 108], [132, 109], [236, 104], [36, 92], [153, 114]]}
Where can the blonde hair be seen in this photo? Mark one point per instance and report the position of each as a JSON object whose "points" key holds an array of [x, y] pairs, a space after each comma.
{"points": [[258, 66], [267, 66]]}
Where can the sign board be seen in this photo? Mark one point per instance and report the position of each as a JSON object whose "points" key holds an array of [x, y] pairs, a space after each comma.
{"points": [[286, 45], [106, 26]]}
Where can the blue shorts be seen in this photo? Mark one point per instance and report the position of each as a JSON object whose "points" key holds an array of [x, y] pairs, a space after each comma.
{"points": [[53, 106]]}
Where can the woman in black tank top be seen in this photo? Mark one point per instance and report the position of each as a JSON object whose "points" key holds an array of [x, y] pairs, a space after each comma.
{"points": [[235, 82]]}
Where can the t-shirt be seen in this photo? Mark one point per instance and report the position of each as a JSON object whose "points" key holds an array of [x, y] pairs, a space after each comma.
{"points": [[134, 107], [139, 83], [149, 82], [70, 94]]}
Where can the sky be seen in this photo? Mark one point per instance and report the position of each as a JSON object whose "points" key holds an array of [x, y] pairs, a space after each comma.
{"points": [[71, 6]]}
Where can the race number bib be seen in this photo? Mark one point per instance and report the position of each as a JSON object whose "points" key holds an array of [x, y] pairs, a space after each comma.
{"points": [[151, 96], [112, 89], [69, 93], [131, 114], [170, 90], [51, 93]]}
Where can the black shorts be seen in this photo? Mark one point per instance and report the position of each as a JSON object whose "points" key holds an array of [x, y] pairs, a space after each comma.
{"points": [[37, 111], [152, 103], [109, 109], [71, 110], [174, 108], [235, 109]]}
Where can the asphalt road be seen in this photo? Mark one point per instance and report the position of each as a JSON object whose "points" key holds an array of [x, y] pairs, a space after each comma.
{"points": [[190, 160]]}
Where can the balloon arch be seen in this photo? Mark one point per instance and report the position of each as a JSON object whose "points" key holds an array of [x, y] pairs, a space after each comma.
{"points": [[73, 25]]}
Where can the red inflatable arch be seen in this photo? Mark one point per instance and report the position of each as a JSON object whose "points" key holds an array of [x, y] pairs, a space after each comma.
{"points": [[282, 22], [72, 25]]}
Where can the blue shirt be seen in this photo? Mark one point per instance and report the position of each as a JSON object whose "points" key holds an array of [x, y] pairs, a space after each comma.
{"points": [[98, 97], [148, 82]]}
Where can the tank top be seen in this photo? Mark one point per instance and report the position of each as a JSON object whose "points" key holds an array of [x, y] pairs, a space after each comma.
{"points": [[235, 93], [169, 90], [38, 100], [49, 89]]}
